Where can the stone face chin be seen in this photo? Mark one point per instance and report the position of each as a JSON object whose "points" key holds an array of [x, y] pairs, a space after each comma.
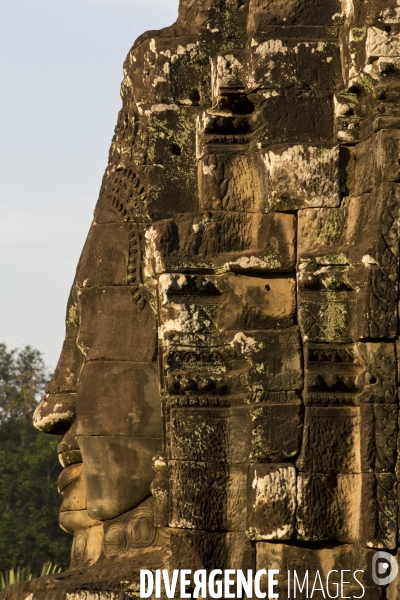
{"points": [[228, 384]]}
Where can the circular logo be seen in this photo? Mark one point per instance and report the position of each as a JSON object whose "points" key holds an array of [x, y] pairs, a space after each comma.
{"points": [[384, 568]]}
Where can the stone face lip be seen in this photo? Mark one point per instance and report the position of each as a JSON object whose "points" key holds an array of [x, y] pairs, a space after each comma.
{"points": [[228, 384]]}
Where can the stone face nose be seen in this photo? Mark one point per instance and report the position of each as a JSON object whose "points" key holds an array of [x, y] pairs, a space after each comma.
{"points": [[55, 413]]}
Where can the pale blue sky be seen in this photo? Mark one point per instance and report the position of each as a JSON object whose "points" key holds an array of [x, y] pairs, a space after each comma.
{"points": [[60, 72]]}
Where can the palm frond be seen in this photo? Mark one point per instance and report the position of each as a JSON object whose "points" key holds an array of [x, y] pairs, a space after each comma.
{"points": [[25, 574], [15, 576]]}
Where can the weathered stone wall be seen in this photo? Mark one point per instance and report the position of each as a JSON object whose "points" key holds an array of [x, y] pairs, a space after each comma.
{"points": [[235, 309]]}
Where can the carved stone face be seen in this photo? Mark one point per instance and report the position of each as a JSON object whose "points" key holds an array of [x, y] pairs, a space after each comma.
{"points": [[235, 305], [109, 404]]}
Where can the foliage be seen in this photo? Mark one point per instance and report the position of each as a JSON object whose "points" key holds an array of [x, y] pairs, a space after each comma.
{"points": [[29, 468], [48, 569], [23, 378], [15, 576], [25, 574]]}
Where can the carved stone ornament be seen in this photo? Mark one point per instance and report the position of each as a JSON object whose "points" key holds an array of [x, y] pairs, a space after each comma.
{"points": [[228, 384]]}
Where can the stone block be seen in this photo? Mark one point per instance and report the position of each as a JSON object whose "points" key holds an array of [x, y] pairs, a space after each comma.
{"points": [[350, 439], [232, 123], [170, 138], [257, 302], [71, 457], [160, 203], [113, 327], [331, 441], [301, 176], [210, 496], [229, 24], [316, 12], [123, 196], [105, 256], [286, 118], [379, 516], [207, 359], [277, 431], [66, 373], [277, 370], [215, 435], [268, 432], [236, 507], [240, 552], [259, 26], [209, 550], [206, 304], [331, 298], [193, 382], [379, 431], [193, 321], [236, 363], [200, 549], [328, 507], [286, 63], [119, 399], [330, 279], [225, 241], [225, 184], [228, 73], [271, 502], [356, 508], [382, 43], [329, 317], [332, 373], [361, 232], [169, 70], [378, 379], [350, 374], [118, 472], [324, 559], [72, 317], [368, 253], [376, 161], [141, 194]]}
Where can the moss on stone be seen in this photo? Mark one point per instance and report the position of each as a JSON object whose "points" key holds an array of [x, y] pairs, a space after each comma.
{"points": [[73, 315], [333, 321], [358, 33]]}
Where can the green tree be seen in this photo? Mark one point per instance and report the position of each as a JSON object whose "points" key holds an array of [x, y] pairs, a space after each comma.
{"points": [[23, 378], [29, 468]]}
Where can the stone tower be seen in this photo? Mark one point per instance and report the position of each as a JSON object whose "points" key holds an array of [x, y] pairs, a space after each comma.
{"points": [[228, 384]]}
